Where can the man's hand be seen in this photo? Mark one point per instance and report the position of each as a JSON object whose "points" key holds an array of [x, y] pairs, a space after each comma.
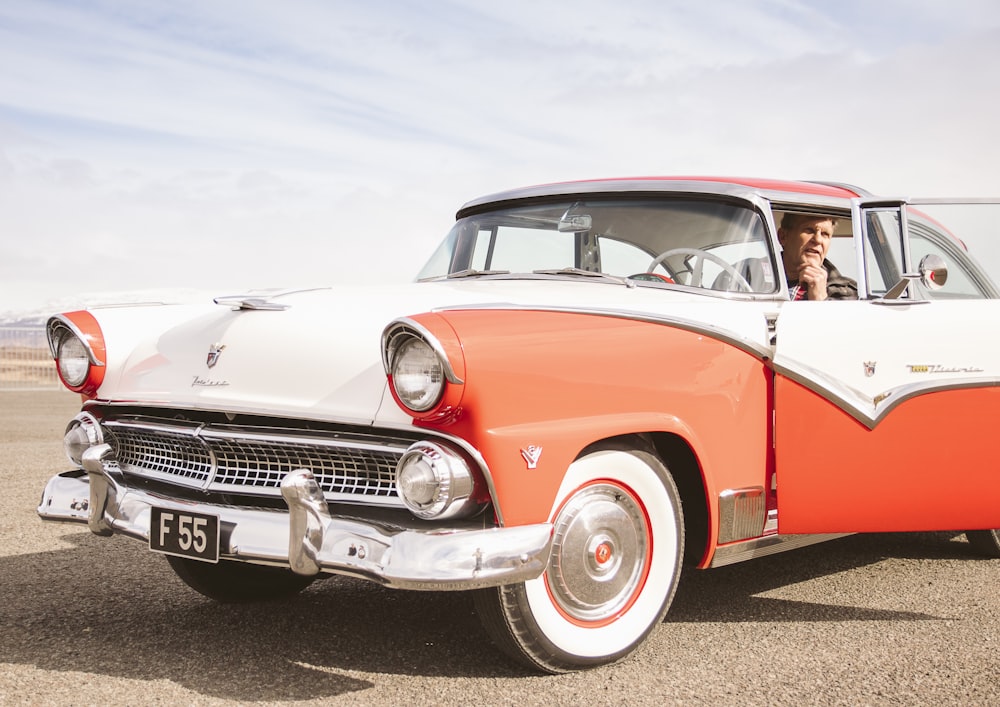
{"points": [[813, 278]]}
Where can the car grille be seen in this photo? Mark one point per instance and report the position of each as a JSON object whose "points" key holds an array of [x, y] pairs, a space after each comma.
{"points": [[250, 461]]}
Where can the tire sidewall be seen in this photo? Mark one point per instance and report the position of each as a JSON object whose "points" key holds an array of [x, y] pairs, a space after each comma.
{"points": [[650, 484]]}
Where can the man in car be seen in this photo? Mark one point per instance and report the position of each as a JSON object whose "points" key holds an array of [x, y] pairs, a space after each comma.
{"points": [[805, 240]]}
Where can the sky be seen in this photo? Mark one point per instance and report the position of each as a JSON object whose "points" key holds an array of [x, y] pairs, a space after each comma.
{"points": [[221, 145]]}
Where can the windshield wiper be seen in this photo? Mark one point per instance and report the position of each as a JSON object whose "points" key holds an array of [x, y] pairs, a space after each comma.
{"points": [[580, 272], [475, 273]]}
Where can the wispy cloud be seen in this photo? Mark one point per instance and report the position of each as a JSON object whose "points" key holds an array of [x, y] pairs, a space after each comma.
{"points": [[244, 143]]}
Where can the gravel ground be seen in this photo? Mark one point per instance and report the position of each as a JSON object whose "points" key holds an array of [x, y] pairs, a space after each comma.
{"points": [[910, 619]]}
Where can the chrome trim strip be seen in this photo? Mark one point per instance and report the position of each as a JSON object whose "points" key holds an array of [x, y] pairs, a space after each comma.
{"points": [[396, 557], [904, 231], [859, 229], [754, 348], [768, 545], [870, 412]]}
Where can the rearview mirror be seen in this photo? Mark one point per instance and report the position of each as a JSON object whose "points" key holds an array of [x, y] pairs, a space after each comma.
{"points": [[574, 223]]}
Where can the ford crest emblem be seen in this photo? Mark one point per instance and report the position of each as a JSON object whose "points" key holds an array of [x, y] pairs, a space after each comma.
{"points": [[214, 351]]}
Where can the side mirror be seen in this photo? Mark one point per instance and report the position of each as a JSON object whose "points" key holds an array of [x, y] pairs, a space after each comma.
{"points": [[933, 271], [933, 274]]}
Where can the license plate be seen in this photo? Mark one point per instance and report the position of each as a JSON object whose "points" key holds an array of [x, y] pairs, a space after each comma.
{"points": [[184, 533]]}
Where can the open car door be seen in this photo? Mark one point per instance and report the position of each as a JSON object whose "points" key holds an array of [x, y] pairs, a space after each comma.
{"points": [[886, 408]]}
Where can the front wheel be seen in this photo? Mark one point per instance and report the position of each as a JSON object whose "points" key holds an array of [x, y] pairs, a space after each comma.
{"points": [[618, 537], [235, 582], [985, 542]]}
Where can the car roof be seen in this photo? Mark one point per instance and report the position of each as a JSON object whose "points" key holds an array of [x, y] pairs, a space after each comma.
{"points": [[775, 190]]}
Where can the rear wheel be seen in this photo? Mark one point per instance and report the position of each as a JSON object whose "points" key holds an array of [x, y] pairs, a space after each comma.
{"points": [[233, 582], [616, 557], [985, 542]]}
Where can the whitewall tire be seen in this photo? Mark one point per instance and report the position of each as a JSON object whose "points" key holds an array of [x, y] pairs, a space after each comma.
{"points": [[616, 558]]}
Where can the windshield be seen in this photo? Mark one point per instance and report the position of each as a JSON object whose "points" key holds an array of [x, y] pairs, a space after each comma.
{"points": [[686, 242]]}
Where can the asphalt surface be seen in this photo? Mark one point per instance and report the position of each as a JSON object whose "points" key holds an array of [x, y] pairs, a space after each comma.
{"points": [[910, 619]]}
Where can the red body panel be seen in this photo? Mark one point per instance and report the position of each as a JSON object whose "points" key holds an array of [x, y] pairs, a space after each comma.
{"points": [[606, 377], [932, 464]]}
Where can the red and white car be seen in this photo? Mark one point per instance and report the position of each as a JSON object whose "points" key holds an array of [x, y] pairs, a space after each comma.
{"points": [[589, 385]]}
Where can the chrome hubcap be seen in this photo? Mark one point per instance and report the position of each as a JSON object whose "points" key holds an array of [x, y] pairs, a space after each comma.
{"points": [[599, 552]]}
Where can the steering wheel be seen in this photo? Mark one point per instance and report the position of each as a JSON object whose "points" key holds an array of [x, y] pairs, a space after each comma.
{"points": [[698, 271]]}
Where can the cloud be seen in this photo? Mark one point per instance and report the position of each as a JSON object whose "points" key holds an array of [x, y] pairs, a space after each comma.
{"points": [[251, 143]]}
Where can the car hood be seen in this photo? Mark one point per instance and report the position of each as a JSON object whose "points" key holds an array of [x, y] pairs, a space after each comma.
{"points": [[316, 354]]}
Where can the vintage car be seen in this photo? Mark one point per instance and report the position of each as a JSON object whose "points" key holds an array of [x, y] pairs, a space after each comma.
{"points": [[588, 386]]}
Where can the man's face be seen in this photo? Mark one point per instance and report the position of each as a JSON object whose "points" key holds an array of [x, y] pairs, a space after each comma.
{"points": [[806, 241]]}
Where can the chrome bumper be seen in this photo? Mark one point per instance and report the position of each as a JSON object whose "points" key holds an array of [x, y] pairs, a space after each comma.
{"points": [[307, 538]]}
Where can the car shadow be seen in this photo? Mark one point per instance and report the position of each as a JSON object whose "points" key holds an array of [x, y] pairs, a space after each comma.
{"points": [[731, 593], [109, 607]]}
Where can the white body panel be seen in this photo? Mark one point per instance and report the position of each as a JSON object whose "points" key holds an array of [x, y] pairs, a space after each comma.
{"points": [[273, 361], [868, 357]]}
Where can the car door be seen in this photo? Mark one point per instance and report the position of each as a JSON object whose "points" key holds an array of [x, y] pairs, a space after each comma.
{"points": [[885, 408]]}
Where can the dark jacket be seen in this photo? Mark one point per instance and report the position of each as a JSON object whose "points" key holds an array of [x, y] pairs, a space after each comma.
{"points": [[837, 286]]}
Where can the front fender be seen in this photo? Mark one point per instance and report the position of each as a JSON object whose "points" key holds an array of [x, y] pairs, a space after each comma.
{"points": [[540, 386]]}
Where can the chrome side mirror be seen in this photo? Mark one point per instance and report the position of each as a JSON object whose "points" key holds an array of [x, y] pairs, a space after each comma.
{"points": [[933, 274], [933, 271]]}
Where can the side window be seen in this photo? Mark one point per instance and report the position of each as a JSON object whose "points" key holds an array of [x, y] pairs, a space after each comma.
{"points": [[886, 259], [802, 232], [960, 283], [883, 250]]}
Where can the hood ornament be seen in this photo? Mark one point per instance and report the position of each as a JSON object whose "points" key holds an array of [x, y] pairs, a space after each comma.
{"points": [[214, 351]]}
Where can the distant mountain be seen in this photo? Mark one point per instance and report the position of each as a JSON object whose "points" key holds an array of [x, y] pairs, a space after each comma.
{"points": [[30, 320]]}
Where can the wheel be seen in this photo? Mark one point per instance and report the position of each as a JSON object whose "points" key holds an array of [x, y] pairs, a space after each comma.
{"points": [[233, 582], [985, 542], [697, 273], [618, 538]]}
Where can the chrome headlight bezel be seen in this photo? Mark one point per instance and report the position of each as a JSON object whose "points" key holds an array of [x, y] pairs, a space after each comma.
{"points": [[436, 482], [417, 366]]}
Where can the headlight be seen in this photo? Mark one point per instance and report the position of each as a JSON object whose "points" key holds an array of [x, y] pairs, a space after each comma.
{"points": [[82, 433], [74, 361], [418, 366], [436, 482], [77, 345], [417, 375]]}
